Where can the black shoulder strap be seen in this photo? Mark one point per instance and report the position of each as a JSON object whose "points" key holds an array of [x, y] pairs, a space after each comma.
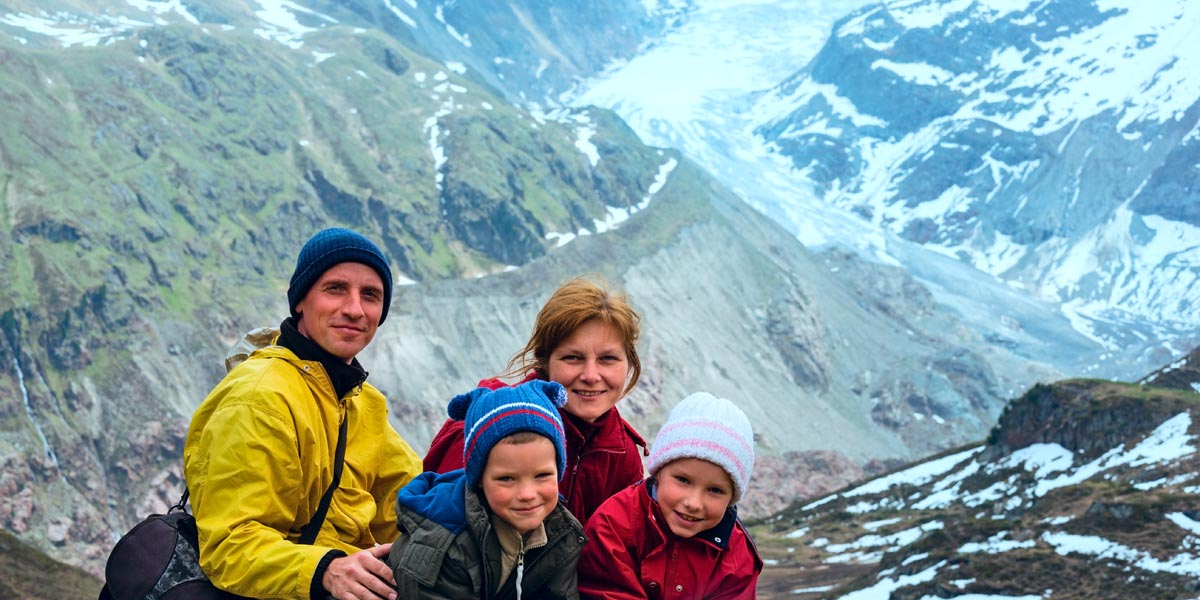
{"points": [[309, 534]]}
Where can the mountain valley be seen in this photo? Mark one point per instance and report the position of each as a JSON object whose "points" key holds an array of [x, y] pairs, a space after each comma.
{"points": [[161, 163]]}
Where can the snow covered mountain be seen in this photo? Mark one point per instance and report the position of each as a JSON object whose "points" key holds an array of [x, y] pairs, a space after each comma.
{"points": [[1084, 490], [160, 161], [1045, 145], [1053, 145]]}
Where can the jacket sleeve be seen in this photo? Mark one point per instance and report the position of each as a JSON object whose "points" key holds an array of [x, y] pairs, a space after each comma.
{"points": [[245, 504], [740, 585], [446, 450], [452, 584], [609, 566], [398, 465], [739, 569], [425, 567]]}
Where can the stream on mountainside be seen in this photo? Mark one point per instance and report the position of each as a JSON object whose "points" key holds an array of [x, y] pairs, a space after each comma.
{"points": [[29, 411]]}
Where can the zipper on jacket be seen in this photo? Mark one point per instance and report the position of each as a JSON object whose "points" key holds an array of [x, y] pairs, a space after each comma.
{"points": [[520, 565], [574, 472], [551, 542]]}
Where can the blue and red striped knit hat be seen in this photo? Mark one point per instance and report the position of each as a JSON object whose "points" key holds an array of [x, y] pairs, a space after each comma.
{"points": [[330, 247], [491, 415], [710, 428]]}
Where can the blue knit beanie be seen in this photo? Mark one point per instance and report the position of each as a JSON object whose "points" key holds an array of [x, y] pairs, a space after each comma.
{"points": [[331, 247], [491, 415]]}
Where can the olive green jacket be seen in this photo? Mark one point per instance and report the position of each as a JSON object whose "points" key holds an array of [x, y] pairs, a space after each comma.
{"points": [[449, 550]]}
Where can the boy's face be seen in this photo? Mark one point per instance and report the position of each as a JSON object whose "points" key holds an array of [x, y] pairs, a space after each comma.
{"points": [[693, 495], [520, 482]]}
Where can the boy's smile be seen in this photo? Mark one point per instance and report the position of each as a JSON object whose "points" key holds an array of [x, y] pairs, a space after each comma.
{"points": [[520, 482], [693, 495]]}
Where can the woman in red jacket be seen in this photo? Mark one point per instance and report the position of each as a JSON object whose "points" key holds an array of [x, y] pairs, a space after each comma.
{"points": [[677, 535], [584, 338]]}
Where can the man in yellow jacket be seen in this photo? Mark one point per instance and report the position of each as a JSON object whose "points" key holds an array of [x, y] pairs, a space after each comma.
{"points": [[260, 449]]}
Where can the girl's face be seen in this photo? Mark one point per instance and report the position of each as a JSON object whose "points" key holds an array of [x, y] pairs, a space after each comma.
{"points": [[592, 366], [693, 495]]}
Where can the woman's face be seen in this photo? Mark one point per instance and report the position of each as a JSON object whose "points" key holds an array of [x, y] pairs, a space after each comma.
{"points": [[592, 366]]}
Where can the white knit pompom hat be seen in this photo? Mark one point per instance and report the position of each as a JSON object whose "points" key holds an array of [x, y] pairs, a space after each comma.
{"points": [[710, 428]]}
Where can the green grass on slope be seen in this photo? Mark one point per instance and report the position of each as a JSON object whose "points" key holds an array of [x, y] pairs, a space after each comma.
{"points": [[26, 573]]}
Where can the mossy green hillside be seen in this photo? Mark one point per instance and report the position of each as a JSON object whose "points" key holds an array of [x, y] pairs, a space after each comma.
{"points": [[155, 191]]}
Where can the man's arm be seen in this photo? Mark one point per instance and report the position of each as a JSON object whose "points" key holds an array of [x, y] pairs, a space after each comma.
{"points": [[244, 496], [394, 461]]}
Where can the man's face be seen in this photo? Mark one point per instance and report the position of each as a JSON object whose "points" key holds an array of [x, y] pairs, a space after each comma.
{"points": [[341, 311]]}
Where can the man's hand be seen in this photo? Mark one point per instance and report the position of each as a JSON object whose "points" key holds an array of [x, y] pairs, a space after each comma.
{"points": [[361, 576]]}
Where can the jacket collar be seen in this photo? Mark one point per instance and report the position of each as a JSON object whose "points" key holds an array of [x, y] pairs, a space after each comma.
{"points": [[607, 433], [439, 497], [345, 377]]}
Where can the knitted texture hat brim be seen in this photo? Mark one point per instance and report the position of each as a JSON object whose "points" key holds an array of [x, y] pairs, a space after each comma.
{"points": [[709, 428], [492, 415], [331, 247]]}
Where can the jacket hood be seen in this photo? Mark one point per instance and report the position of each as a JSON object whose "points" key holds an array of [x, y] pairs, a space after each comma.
{"points": [[439, 497]]}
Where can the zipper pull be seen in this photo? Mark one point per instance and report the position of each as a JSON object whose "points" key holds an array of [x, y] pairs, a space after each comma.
{"points": [[520, 566]]}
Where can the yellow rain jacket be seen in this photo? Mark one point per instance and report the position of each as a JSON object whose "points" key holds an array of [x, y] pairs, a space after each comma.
{"points": [[258, 457]]}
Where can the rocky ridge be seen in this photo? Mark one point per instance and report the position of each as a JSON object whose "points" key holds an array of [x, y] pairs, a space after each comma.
{"points": [[1083, 490]]}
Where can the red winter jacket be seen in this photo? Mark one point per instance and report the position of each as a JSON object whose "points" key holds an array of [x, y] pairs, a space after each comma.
{"points": [[599, 464], [632, 555]]}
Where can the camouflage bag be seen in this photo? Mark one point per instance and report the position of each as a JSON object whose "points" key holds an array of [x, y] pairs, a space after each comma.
{"points": [[159, 559]]}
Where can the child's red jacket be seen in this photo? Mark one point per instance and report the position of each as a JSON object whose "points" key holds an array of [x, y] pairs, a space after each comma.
{"points": [[632, 554]]}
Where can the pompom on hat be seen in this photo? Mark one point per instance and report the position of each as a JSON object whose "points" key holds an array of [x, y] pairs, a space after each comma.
{"points": [[710, 428], [491, 415], [334, 246]]}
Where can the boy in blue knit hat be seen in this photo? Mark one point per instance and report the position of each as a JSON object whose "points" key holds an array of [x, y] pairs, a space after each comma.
{"points": [[494, 529]]}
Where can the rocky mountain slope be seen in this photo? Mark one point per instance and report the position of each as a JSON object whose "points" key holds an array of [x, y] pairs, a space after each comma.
{"points": [[27, 573], [1050, 144], [1085, 489], [160, 168], [734, 305]]}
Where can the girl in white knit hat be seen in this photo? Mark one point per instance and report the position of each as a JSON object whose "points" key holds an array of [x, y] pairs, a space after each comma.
{"points": [[677, 534]]}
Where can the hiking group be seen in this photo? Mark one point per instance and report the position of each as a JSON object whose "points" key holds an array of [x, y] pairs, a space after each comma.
{"points": [[535, 489]]}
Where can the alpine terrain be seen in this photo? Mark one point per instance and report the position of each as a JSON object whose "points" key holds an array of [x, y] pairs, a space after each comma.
{"points": [[161, 162], [1085, 489], [1049, 147]]}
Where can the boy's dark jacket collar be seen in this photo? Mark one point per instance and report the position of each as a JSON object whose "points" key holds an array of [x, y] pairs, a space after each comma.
{"points": [[345, 377]]}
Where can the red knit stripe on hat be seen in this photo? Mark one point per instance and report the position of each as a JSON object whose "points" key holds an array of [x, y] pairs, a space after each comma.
{"points": [[479, 431], [689, 446], [709, 424]]}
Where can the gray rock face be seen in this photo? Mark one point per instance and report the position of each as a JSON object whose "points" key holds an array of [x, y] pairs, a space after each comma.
{"points": [[528, 50], [733, 305], [1073, 472]]}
